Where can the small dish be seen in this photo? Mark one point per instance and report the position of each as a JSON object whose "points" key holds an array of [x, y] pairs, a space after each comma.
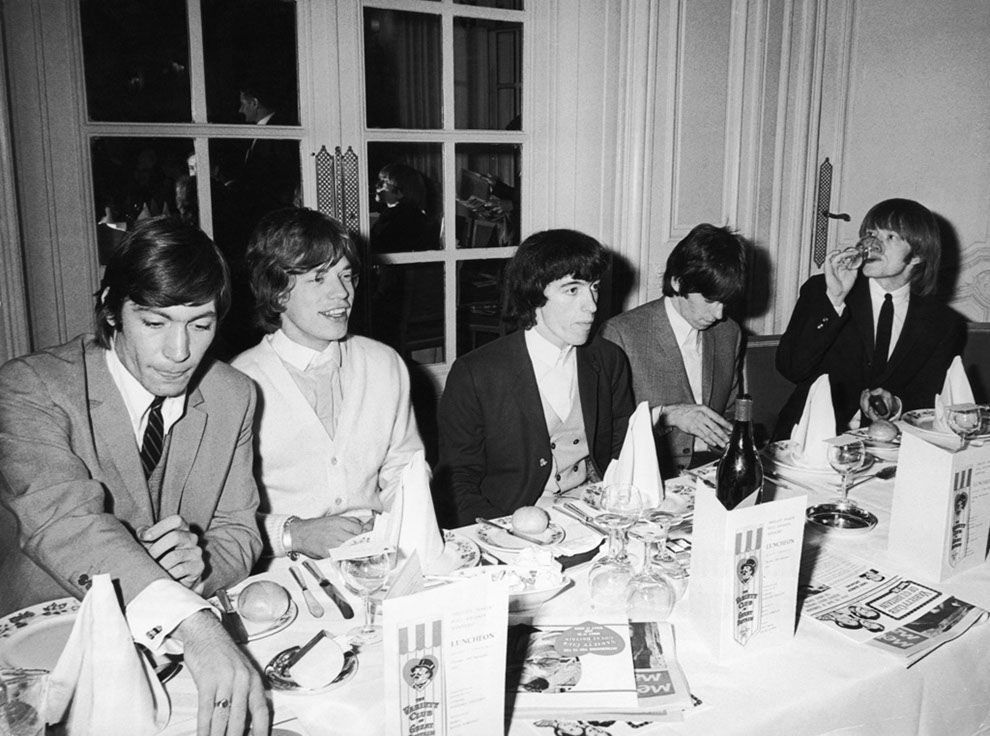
{"points": [[278, 679], [840, 518], [501, 539]]}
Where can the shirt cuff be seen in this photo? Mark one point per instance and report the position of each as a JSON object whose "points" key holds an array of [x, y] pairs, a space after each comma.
{"points": [[274, 527], [156, 611]]}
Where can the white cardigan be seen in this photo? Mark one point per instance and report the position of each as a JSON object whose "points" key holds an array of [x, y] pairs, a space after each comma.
{"points": [[300, 470]]}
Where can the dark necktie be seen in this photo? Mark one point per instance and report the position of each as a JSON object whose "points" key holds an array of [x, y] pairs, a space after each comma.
{"points": [[884, 327], [154, 437]]}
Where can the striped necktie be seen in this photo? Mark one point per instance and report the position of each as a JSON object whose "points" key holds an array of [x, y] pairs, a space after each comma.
{"points": [[154, 437]]}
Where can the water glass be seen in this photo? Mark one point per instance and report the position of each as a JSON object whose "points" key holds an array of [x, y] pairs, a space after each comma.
{"points": [[20, 702], [845, 459], [967, 420], [366, 575], [650, 594]]}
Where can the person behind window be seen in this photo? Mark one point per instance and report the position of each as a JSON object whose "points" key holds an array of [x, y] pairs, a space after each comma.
{"points": [[541, 410], [335, 427], [684, 351]]}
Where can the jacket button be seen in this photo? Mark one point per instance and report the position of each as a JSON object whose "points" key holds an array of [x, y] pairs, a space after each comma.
{"points": [[686, 451]]}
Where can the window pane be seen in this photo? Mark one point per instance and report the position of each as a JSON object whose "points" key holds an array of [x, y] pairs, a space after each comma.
{"points": [[487, 195], [479, 303], [137, 178], [136, 58], [402, 69], [402, 305], [406, 196], [487, 74], [249, 47], [503, 4], [249, 179]]}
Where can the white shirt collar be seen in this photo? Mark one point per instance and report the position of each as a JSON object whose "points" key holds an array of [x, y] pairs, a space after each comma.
{"points": [[264, 120], [543, 351], [684, 333], [138, 399], [301, 357], [898, 296]]}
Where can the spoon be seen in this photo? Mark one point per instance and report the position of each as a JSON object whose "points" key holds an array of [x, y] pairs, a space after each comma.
{"points": [[883, 474]]}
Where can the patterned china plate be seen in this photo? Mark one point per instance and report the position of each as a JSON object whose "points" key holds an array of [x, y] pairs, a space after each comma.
{"points": [[501, 539], [459, 552], [924, 421], [783, 454]]}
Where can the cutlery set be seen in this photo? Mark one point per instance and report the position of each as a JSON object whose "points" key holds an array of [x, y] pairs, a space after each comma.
{"points": [[315, 609]]}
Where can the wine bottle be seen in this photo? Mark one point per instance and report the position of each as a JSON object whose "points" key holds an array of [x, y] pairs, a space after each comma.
{"points": [[740, 472]]}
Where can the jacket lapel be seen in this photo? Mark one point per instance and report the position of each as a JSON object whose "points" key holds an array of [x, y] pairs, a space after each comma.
{"points": [[667, 346], [187, 436], [527, 393], [861, 311], [115, 441], [587, 375]]}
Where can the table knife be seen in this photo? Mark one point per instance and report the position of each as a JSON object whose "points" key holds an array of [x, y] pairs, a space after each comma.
{"points": [[314, 608], [569, 510], [332, 593], [230, 619], [510, 532]]}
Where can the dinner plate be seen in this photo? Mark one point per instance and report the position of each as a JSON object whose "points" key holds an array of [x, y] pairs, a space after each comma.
{"points": [[34, 637], [459, 552], [501, 539], [924, 421], [881, 449], [783, 455], [678, 497], [260, 629]]}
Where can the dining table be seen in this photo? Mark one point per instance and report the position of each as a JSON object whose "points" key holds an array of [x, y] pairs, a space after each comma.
{"points": [[818, 682]]}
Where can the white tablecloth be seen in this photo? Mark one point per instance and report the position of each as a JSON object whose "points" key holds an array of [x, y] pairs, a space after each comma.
{"points": [[818, 683]]}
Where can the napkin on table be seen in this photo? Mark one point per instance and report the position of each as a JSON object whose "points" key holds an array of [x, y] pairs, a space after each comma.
{"points": [[411, 524], [101, 682], [637, 462], [816, 425], [955, 390]]}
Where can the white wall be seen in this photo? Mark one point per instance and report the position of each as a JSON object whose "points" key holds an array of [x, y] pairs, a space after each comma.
{"points": [[918, 125]]}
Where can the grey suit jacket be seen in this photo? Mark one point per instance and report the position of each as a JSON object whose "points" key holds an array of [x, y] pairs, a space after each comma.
{"points": [[72, 491], [659, 377]]}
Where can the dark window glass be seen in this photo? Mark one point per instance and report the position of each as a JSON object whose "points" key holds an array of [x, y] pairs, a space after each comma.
{"points": [[249, 51], [406, 196], [479, 303], [487, 74], [402, 69], [136, 59], [487, 194]]}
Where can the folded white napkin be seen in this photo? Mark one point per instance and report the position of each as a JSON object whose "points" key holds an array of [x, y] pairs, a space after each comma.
{"points": [[101, 679], [637, 462], [955, 390], [411, 524], [817, 424]]}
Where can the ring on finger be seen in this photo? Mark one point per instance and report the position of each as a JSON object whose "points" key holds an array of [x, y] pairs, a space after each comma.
{"points": [[222, 704]]}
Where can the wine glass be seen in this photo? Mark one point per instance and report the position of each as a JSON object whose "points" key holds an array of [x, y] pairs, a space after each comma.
{"points": [[966, 420], [676, 571], [610, 574], [650, 594], [366, 575], [845, 458]]}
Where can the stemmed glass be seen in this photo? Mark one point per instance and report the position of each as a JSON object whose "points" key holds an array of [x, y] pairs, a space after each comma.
{"points": [[650, 593], [366, 575], [966, 420], [610, 574], [846, 458]]}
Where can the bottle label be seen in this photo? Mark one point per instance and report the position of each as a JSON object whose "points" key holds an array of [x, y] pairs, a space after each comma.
{"points": [[421, 696], [962, 485], [748, 576]]}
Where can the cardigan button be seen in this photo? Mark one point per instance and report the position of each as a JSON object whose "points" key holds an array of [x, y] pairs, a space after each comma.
{"points": [[333, 461]]}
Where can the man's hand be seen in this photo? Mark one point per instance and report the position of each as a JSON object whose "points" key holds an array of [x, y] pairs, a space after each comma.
{"points": [[869, 404], [839, 277], [230, 691], [176, 548], [700, 421], [313, 537]]}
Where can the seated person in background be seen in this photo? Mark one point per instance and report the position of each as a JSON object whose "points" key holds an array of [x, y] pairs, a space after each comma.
{"points": [[128, 454], [334, 426], [839, 326], [537, 411], [683, 352], [402, 224]]}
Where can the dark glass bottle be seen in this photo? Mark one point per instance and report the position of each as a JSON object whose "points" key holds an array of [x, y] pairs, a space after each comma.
{"points": [[740, 472]]}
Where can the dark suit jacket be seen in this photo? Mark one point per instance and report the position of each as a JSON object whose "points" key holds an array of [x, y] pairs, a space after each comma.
{"points": [[819, 341], [658, 374], [72, 487], [494, 444]]}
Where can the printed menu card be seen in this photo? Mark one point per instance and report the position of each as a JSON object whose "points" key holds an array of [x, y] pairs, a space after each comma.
{"points": [[444, 653]]}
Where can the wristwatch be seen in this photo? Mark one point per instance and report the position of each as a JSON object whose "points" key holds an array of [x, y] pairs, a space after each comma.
{"points": [[287, 538]]}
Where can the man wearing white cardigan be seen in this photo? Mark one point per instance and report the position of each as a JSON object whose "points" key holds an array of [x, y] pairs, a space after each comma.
{"points": [[334, 426]]}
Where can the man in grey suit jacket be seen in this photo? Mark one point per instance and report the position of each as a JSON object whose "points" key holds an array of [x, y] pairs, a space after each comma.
{"points": [[683, 352], [129, 455]]}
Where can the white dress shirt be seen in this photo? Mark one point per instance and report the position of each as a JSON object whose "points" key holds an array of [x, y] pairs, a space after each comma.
{"points": [[689, 342], [556, 372]]}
